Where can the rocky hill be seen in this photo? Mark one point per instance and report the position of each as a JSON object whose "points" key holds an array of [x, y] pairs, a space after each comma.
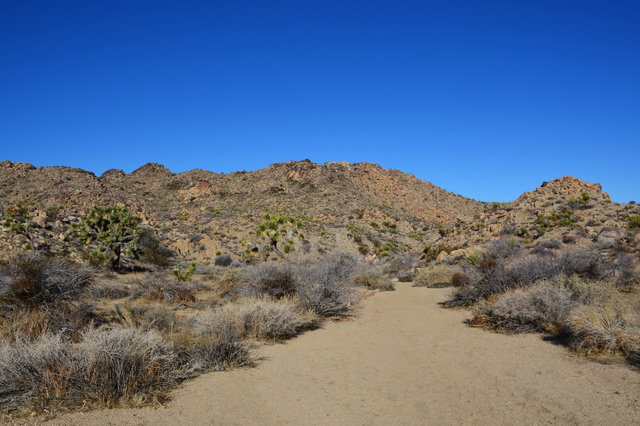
{"points": [[356, 207]]}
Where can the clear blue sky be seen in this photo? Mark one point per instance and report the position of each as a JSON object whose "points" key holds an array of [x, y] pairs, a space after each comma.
{"points": [[484, 98]]}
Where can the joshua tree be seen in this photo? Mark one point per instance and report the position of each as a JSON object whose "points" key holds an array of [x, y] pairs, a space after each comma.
{"points": [[278, 233], [112, 232]]}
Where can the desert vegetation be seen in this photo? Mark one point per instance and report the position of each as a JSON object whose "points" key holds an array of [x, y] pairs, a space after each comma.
{"points": [[586, 297], [76, 337]]}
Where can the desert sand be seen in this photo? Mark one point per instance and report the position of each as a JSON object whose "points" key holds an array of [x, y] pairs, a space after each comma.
{"points": [[402, 360]]}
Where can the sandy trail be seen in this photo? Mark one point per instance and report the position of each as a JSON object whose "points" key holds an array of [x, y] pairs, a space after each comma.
{"points": [[403, 360]]}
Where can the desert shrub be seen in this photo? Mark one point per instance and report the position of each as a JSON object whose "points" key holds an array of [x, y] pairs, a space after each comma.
{"points": [[547, 247], [273, 319], [634, 222], [110, 290], [400, 265], [68, 319], [33, 280], [525, 270], [436, 276], [431, 251], [34, 373], [123, 365], [544, 306], [460, 279], [465, 277], [327, 286], [216, 345], [509, 228], [374, 280], [107, 368], [158, 287], [222, 260], [503, 248], [406, 276], [606, 328], [145, 317], [272, 279]]}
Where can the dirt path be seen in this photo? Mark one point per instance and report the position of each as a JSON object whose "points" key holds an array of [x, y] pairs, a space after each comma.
{"points": [[403, 360]]}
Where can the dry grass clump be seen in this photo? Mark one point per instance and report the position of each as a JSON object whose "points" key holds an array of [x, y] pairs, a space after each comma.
{"points": [[158, 287], [110, 367], [110, 290], [274, 280], [40, 295], [606, 328], [374, 280], [146, 317], [215, 345], [269, 319], [436, 276], [124, 366], [263, 317], [33, 280]]}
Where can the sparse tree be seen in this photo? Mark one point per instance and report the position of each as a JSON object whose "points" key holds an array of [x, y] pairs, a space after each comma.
{"points": [[112, 232]]}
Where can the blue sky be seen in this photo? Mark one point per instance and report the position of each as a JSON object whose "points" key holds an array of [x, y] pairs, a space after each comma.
{"points": [[484, 98]]}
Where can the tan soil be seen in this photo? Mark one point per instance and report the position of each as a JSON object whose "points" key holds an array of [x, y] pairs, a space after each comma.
{"points": [[403, 360]]}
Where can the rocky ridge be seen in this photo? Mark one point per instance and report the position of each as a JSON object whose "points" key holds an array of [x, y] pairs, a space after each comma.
{"points": [[355, 207]]}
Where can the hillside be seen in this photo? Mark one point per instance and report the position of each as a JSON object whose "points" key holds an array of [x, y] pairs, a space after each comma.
{"points": [[352, 207]]}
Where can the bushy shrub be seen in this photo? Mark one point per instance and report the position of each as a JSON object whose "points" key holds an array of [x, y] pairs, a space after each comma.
{"points": [[33, 280], [503, 248], [110, 290], [217, 344], [436, 276], [326, 286], [544, 306], [123, 365], [151, 250], [158, 287], [34, 373], [525, 270], [604, 328], [222, 260], [107, 368], [374, 280], [272, 279], [146, 317], [273, 319]]}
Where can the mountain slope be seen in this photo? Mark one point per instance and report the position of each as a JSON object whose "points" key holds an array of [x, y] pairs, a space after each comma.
{"points": [[345, 206]]}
